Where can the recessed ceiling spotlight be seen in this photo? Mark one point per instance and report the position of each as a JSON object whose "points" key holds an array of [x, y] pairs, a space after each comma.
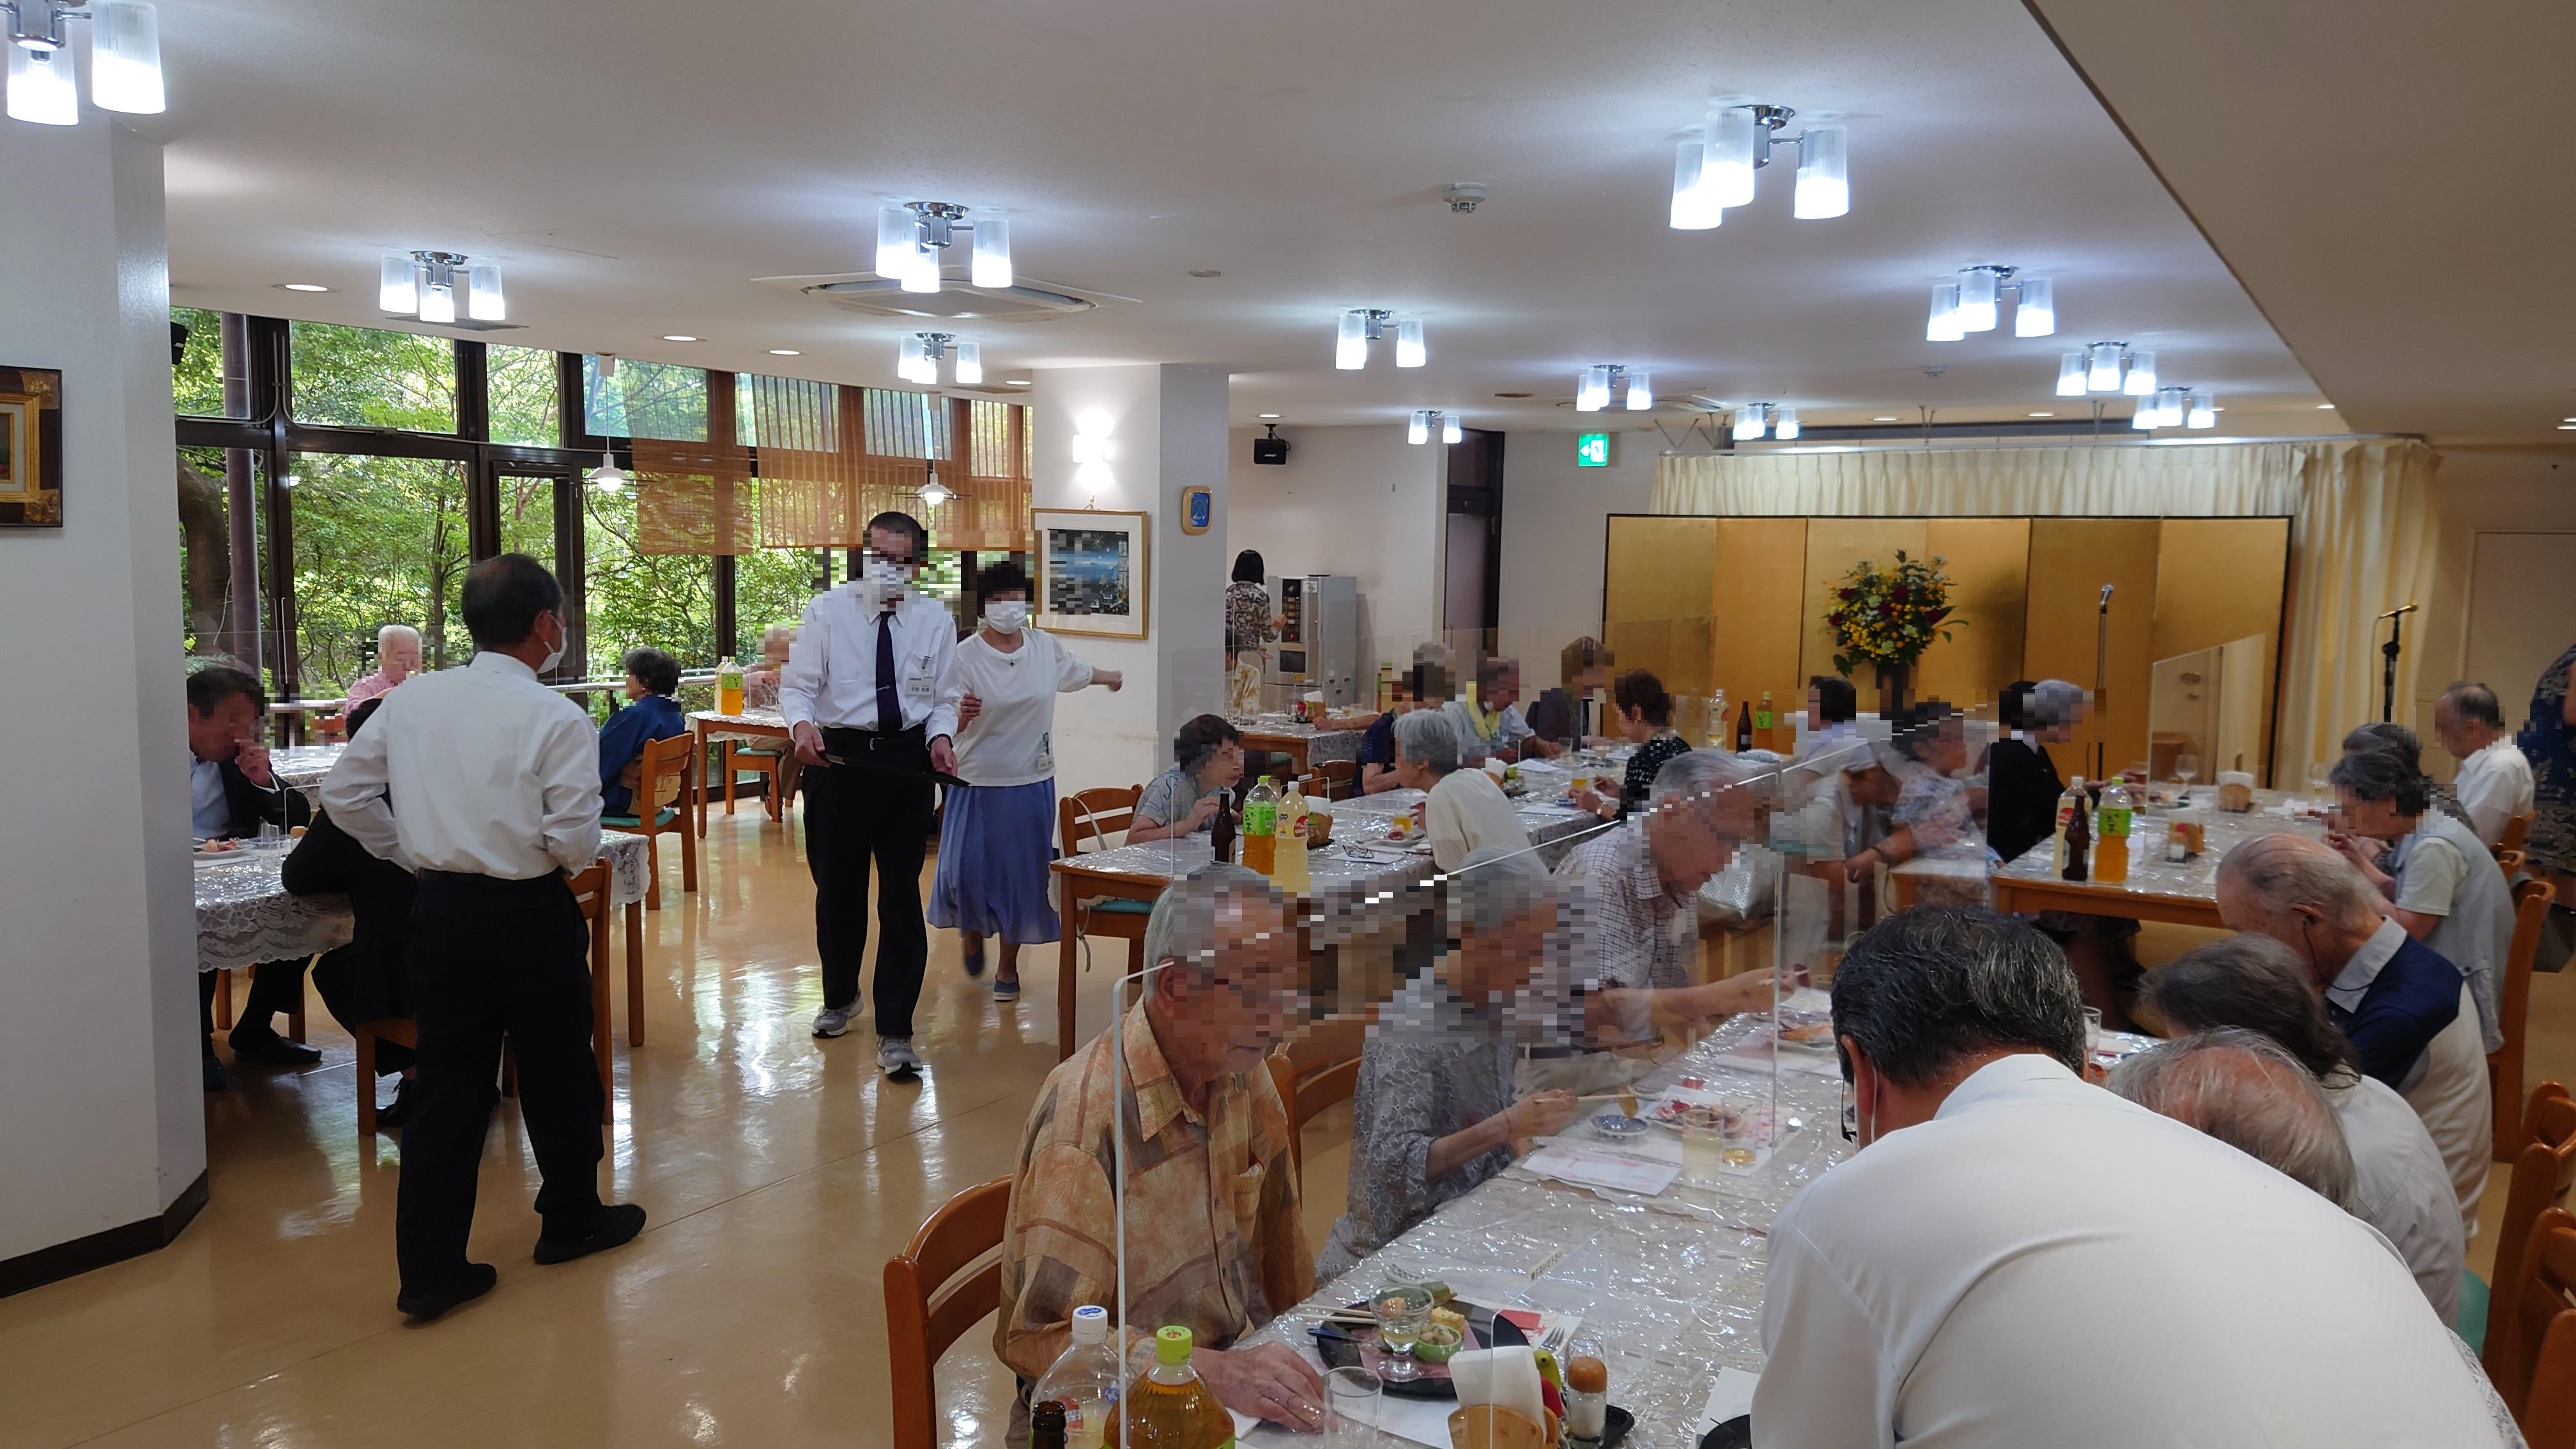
{"points": [[1015, 382], [1205, 272], [2567, 427], [785, 352], [302, 287], [1883, 420], [2325, 407], [1266, 417], [2043, 415], [677, 337]]}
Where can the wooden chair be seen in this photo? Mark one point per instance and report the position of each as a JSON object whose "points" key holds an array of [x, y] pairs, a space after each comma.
{"points": [[2531, 901], [2541, 1178], [1084, 822], [666, 779], [1306, 1094], [2516, 831], [2511, 862], [929, 1305], [778, 771], [1341, 778], [590, 892], [2535, 1373]]}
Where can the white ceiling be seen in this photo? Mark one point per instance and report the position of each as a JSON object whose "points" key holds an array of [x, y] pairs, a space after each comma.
{"points": [[635, 166], [2390, 177]]}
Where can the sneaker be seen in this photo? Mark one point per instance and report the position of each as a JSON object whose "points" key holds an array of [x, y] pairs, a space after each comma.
{"points": [[1005, 990], [613, 1225], [832, 1021], [896, 1058]]}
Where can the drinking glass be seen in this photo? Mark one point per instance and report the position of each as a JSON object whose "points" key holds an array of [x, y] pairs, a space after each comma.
{"points": [[1703, 1143], [1739, 1142], [1351, 1397], [1401, 1315], [2092, 1029], [2186, 769], [2319, 777]]}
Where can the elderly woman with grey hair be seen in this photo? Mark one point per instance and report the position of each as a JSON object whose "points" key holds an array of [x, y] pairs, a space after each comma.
{"points": [[397, 659], [2240, 1087], [2401, 1185], [2442, 881], [1466, 811]]}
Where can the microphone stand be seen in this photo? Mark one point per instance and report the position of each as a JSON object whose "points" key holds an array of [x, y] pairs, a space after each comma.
{"points": [[2101, 683], [2388, 663]]}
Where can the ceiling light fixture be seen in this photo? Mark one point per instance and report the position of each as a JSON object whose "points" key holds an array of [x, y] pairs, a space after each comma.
{"points": [[2176, 406], [913, 239], [1417, 429], [1594, 385], [1883, 420], [933, 492], [302, 287], [917, 357], [1974, 303], [124, 59], [680, 337], [1451, 429], [785, 352], [1784, 423], [1267, 417], [1714, 167], [2043, 415], [2107, 367], [1751, 421], [608, 477], [2329, 407], [423, 285], [1363, 325]]}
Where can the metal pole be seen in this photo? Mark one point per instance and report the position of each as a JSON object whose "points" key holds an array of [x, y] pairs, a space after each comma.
{"points": [[2102, 685], [241, 515]]}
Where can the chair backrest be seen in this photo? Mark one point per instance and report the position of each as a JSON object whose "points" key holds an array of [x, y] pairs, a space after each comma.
{"points": [[1283, 1077], [932, 1299], [590, 891], [2538, 1368], [1087, 818], [2531, 901], [664, 770], [1341, 778], [2516, 831], [2511, 862], [2542, 1174]]}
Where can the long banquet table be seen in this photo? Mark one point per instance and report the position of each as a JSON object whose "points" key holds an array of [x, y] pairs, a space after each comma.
{"points": [[1670, 1286], [2185, 894]]}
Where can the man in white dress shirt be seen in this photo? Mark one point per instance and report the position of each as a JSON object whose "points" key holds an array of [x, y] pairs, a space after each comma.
{"points": [[498, 778], [2017, 1257], [2494, 782], [861, 697]]}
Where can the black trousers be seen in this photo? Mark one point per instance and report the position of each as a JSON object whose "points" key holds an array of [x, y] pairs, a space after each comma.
{"points": [[873, 807], [272, 991], [493, 958]]}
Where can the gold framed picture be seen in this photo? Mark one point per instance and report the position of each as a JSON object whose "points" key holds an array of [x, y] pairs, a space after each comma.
{"points": [[31, 447], [1093, 571]]}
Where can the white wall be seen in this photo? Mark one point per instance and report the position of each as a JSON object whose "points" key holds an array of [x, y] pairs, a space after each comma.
{"points": [[1357, 501], [1554, 536], [98, 1044], [1166, 432]]}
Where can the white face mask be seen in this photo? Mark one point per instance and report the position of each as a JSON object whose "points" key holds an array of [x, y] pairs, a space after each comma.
{"points": [[886, 578], [1007, 615], [555, 655]]}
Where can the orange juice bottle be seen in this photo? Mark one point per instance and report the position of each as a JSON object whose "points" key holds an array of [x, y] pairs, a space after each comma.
{"points": [[728, 686], [1261, 828], [2111, 823], [1169, 1406]]}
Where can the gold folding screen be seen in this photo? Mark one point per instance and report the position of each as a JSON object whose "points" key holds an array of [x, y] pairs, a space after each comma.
{"points": [[1739, 603]]}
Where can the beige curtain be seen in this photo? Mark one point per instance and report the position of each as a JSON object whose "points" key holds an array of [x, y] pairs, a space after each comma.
{"points": [[2363, 540]]}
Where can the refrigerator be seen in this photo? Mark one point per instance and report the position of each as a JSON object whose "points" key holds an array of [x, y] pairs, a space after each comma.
{"points": [[1318, 648]]}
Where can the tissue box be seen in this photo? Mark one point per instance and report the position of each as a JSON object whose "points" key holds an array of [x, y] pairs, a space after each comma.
{"points": [[2235, 791]]}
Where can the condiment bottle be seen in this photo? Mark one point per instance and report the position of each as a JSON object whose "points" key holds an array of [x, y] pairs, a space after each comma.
{"points": [[1587, 1397]]}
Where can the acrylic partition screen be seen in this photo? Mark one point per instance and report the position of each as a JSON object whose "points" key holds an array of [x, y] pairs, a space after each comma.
{"points": [[1611, 1035]]}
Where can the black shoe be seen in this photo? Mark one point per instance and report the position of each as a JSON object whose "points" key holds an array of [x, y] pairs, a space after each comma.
{"points": [[475, 1281], [271, 1050], [614, 1225], [391, 1114], [214, 1071], [975, 962]]}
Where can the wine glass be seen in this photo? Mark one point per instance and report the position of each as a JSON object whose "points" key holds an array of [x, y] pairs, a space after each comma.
{"points": [[2186, 769], [1401, 1315], [2320, 775]]}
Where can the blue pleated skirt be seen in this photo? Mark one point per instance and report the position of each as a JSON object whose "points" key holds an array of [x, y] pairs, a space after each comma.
{"points": [[994, 845]]}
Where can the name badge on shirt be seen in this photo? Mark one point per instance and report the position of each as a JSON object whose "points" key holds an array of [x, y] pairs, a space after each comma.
{"points": [[1046, 751], [918, 678]]}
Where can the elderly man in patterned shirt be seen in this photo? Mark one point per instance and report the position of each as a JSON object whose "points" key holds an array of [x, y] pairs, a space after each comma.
{"points": [[1214, 1242]]}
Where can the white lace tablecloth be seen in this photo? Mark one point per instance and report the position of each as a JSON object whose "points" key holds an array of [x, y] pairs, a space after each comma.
{"points": [[750, 724], [1670, 1286], [244, 916]]}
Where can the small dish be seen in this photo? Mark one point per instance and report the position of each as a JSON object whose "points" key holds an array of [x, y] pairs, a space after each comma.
{"points": [[1615, 1127], [1437, 1343]]}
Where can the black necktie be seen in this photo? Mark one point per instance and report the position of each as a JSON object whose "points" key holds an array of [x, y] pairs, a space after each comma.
{"points": [[889, 713]]}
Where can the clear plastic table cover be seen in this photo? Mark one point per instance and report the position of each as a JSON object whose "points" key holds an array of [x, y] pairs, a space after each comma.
{"points": [[301, 767], [1670, 1287], [245, 916], [2274, 813]]}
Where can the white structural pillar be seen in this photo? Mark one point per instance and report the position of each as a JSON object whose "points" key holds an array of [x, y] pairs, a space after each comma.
{"points": [[1153, 431], [104, 1151]]}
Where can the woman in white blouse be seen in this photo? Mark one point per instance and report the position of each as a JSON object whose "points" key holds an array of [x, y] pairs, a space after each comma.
{"points": [[1467, 811], [995, 834]]}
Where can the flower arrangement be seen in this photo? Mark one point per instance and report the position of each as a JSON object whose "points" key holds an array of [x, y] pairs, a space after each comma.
{"points": [[1890, 616]]}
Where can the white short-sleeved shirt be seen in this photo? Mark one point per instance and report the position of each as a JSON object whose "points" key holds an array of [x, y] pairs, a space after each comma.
{"points": [[1012, 742], [2494, 785], [1466, 812], [2403, 1188]]}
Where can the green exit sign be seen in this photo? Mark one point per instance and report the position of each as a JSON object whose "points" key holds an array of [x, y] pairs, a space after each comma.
{"points": [[1592, 450]]}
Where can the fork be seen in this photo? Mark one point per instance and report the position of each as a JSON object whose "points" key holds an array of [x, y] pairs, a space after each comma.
{"points": [[1554, 1340]]}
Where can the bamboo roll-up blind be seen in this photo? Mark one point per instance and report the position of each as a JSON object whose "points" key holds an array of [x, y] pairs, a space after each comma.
{"points": [[832, 458], [691, 498]]}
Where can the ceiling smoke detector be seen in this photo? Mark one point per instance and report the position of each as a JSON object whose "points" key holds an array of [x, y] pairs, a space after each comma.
{"points": [[1463, 196]]}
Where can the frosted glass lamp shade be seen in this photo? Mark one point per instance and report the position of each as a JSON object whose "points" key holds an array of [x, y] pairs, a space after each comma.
{"points": [[483, 299], [2141, 381], [897, 234], [992, 265], [1350, 343], [125, 57], [1451, 430], [970, 364], [1409, 348], [2102, 374], [397, 287], [1976, 300], [1784, 423], [1727, 169], [1695, 206], [2036, 316], [1418, 431], [2070, 374], [1824, 175], [1641, 392], [1943, 323], [41, 88]]}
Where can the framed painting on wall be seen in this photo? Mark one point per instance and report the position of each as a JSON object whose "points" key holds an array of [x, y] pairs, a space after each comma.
{"points": [[31, 447], [1093, 571]]}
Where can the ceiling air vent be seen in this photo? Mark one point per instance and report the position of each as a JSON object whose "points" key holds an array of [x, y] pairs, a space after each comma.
{"points": [[870, 295]]}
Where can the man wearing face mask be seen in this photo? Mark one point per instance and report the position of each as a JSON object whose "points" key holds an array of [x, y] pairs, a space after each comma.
{"points": [[860, 694], [994, 840], [1949, 1285], [498, 778]]}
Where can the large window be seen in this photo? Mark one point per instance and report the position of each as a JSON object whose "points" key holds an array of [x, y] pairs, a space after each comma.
{"points": [[197, 379], [645, 400], [377, 541], [526, 396], [209, 574], [665, 600], [360, 377], [528, 516]]}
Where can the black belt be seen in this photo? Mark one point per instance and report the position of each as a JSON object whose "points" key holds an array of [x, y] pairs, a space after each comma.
{"points": [[852, 737], [477, 881]]}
